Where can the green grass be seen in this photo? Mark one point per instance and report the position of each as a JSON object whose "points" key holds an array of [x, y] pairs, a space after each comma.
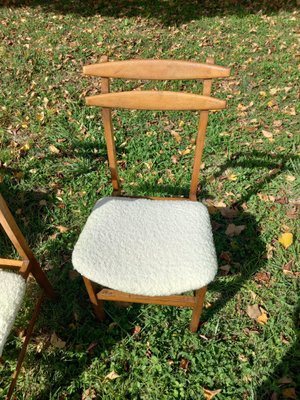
{"points": [[43, 48]]}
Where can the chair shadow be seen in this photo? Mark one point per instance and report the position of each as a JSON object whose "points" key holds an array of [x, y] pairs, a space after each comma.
{"points": [[286, 374], [173, 12], [68, 317]]}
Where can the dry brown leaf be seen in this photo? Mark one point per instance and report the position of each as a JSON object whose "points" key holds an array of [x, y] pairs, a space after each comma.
{"points": [[286, 239], [285, 380], [225, 268], [184, 363], [91, 347], [267, 134], [53, 149], [210, 394], [73, 274], [274, 91], [89, 394], [185, 152], [289, 393], [177, 137], [57, 342], [62, 229], [229, 212], [262, 277], [253, 311], [174, 159], [136, 330], [112, 376], [234, 230], [290, 178]]}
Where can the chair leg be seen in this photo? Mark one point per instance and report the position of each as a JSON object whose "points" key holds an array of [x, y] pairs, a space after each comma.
{"points": [[197, 309], [24, 347], [97, 304]]}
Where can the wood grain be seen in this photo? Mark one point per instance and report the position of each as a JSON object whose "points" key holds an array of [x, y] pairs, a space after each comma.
{"points": [[115, 295], [202, 126], [156, 69], [156, 100]]}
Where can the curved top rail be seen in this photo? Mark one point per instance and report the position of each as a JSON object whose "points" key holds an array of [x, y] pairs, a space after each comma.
{"points": [[156, 69], [156, 100]]}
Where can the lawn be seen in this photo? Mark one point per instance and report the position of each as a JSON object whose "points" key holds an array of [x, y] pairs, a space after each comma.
{"points": [[53, 168]]}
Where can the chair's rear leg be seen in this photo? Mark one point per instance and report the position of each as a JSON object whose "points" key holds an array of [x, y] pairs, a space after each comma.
{"points": [[197, 309], [97, 304]]}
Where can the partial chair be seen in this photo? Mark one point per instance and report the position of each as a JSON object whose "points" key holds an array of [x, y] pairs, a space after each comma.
{"points": [[152, 249], [13, 276]]}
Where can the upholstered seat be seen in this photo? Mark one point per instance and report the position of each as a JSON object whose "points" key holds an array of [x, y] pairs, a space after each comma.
{"points": [[12, 289], [147, 247]]}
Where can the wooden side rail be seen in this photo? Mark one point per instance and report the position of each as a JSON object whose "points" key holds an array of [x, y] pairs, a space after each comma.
{"points": [[15, 264], [177, 301]]}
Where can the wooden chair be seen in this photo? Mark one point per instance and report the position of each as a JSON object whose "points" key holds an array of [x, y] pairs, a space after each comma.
{"points": [[138, 249], [12, 286]]}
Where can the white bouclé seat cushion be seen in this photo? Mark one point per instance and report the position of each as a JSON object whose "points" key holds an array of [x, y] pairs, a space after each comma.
{"points": [[148, 247], [12, 290]]}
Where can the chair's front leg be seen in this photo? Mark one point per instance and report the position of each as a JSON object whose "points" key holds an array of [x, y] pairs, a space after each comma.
{"points": [[97, 304], [197, 309]]}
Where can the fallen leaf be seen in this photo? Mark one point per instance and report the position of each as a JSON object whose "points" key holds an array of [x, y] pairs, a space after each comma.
{"points": [[290, 178], [225, 269], [57, 342], [234, 230], [292, 213], [263, 318], [136, 330], [112, 376], [285, 380], [262, 277], [289, 393], [274, 91], [232, 177], [53, 149], [286, 239], [229, 212], [174, 159], [267, 134], [184, 152], [62, 229], [25, 147], [73, 274], [91, 347], [89, 394], [253, 311], [40, 116], [210, 394], [288, 266], [184, 363], [177, 137]]}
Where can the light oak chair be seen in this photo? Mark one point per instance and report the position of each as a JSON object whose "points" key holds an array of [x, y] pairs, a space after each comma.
{"points": [[150, 250], [13, 276]]}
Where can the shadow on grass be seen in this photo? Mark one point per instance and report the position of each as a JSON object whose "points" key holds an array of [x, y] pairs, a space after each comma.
{"points": [[284, 382], [71, 317], [172, 12]]}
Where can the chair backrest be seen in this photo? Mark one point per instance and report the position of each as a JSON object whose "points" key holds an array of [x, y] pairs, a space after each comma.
{"points": [[156, 100]]}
